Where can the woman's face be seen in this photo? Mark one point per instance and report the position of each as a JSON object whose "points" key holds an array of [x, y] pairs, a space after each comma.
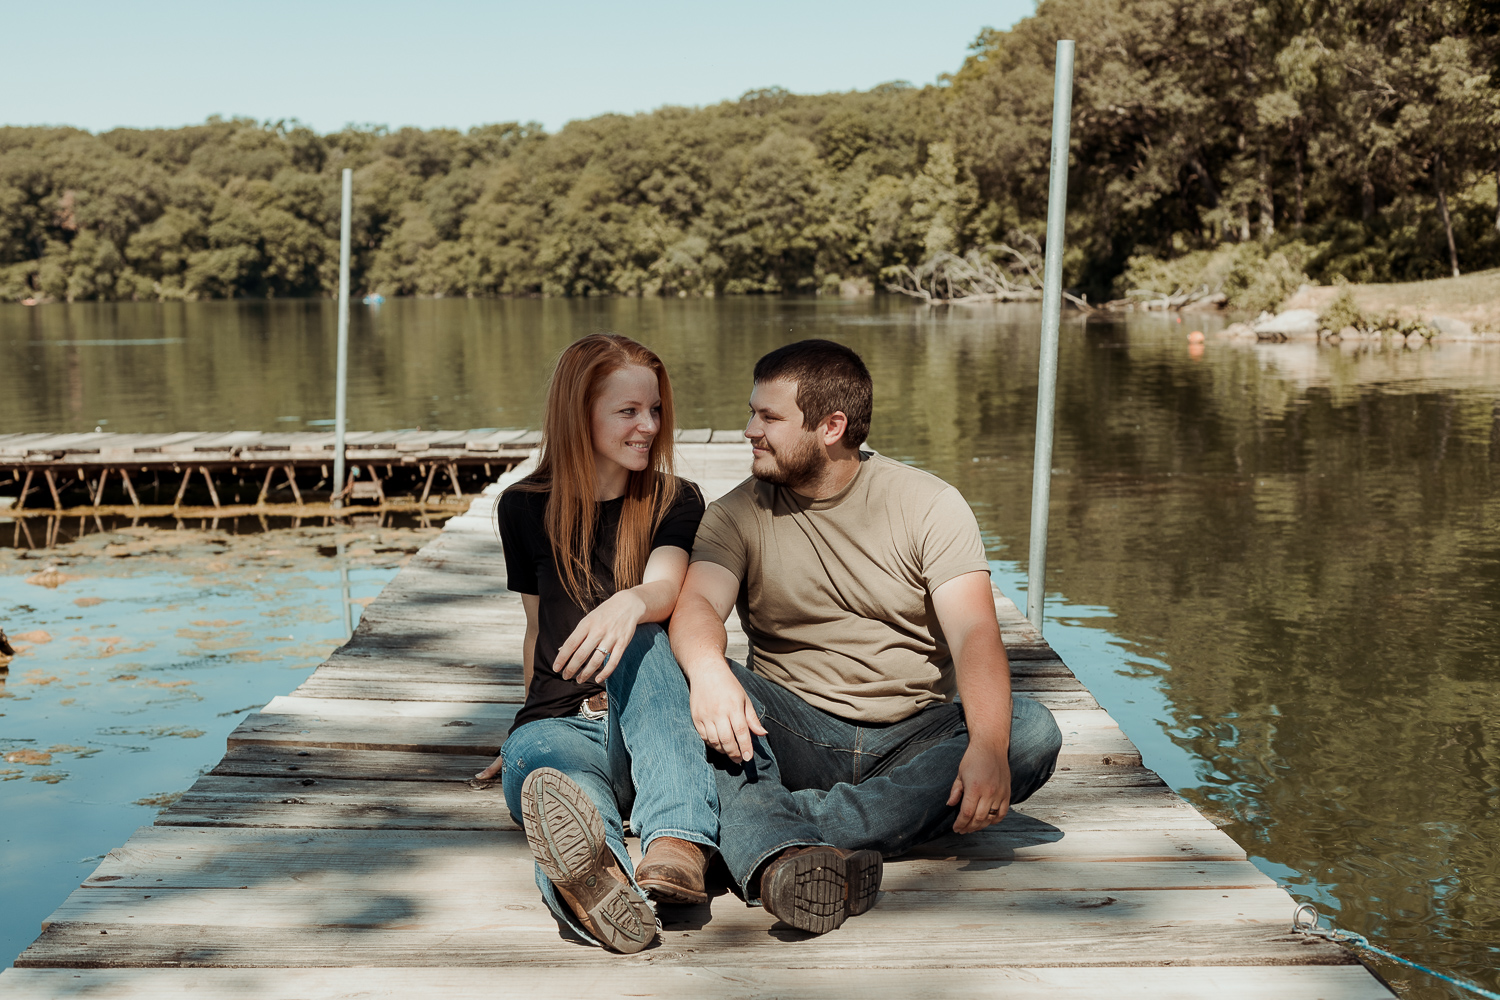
{"points": [[626, 419]]}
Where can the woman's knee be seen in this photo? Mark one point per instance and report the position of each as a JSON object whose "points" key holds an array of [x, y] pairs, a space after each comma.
{"points": [[648, 655]]}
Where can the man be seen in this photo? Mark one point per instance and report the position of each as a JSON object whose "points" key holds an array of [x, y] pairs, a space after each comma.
{"points": [[863, 586]]}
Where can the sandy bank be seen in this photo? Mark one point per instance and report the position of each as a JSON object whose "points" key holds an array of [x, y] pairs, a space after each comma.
{"points": [[1473, 298]]}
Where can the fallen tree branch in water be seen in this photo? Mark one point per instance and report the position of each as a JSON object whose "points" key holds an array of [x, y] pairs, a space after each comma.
{"points": [[1149, 300], [977, 277]]}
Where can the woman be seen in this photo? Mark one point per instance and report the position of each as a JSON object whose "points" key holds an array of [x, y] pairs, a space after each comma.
{"points": [[597, 542]]}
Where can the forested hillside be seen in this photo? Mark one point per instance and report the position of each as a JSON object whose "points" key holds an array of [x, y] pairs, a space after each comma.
{"points": [[1263, 142]]}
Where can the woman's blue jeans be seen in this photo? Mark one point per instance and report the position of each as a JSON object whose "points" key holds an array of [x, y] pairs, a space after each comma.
{"points": [[645, 760]]}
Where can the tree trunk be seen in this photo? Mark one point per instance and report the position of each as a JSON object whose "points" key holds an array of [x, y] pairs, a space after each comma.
{"points": [[1244, 222], [1204, 178], [1497, 190], [1366, 194], [1301, 209], [1267, 202], [1442, 200]]}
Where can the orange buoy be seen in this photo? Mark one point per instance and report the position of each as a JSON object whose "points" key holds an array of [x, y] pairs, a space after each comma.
{"points": [[1196, 337]]}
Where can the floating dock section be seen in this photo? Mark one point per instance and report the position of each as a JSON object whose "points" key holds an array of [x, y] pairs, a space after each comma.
{"points": [[49, 466], [339, 849]]}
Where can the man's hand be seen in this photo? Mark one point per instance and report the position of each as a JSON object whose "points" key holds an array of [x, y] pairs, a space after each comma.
{"points": [[723, 714], [983, 786]]}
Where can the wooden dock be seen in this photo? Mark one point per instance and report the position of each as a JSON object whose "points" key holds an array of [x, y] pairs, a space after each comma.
{"points": [[339, 850], [49, 465]]}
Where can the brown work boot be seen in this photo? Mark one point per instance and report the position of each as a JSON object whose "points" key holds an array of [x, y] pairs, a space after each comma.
{"points": [[672, 871], [816, 888], [566, 835]]}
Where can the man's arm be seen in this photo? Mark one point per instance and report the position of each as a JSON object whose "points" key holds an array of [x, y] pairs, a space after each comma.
{"points": [[721, 710], [965, 609]]}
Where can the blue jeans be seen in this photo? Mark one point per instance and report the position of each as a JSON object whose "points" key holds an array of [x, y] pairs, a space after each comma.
{"points": [[821, 779], [645, 760]]}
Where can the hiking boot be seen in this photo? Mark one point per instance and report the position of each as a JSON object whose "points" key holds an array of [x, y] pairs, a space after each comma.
{"points": [[566, 835], [816, 888], [672, 871]]}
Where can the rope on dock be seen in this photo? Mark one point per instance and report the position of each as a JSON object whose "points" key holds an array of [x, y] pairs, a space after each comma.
{"points": [[1305, 921]]}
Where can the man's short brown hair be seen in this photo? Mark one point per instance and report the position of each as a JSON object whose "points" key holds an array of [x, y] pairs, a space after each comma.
{"points": [[830, 379]]}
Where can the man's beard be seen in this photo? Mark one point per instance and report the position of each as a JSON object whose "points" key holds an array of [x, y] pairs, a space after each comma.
{"points": [[792, 469]]}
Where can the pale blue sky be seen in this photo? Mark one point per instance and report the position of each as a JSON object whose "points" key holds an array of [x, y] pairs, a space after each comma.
{"points": [[459, 63]]}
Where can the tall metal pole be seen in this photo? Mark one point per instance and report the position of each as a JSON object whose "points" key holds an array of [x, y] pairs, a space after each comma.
{"points": [[1046, 389], [340, 411]]}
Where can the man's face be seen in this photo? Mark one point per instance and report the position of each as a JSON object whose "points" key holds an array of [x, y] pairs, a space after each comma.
{"points": [[785, 453]]}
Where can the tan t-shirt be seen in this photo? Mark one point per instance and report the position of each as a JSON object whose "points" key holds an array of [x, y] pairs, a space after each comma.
{"points": [[836, 594]]}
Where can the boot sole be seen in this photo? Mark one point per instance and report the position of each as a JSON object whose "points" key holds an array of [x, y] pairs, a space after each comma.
{"points": [[566, 836], [671, 892], [819, 890]]}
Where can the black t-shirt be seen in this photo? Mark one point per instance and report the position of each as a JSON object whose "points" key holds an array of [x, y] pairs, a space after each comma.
{"points": [[531, 569]]}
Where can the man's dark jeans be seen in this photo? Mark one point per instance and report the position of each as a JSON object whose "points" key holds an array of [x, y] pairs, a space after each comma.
{"points": [[820, 779]]}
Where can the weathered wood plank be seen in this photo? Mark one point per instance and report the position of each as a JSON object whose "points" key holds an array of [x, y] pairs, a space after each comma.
{"points": [[296, 799], [709, 983], [369, 683], [301, 802], [500, 862], [399, 669], [1039, 930], [327, 708], [1089, 737], [459, 909], [324, 687], [1005, 843], [255, 760]]}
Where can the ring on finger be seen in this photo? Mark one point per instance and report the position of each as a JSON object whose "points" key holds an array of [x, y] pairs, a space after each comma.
{"points": [[601, 649]]}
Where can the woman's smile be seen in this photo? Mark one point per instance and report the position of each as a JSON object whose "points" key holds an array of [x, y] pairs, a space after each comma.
{"points": [[625, 422]]}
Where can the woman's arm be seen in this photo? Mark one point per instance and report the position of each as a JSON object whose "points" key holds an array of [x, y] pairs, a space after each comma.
{"points": [[528, 652], [528, 645], [611, 625]]}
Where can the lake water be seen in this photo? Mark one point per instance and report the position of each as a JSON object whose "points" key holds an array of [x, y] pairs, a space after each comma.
{"points": [[1277, 565]]}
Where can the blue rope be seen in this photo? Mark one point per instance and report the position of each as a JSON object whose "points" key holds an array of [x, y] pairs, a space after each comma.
{"points": [[1310, 927]]}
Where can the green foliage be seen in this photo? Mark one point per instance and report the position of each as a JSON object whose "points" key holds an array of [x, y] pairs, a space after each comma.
{"points": [[1245, 144], [1231, 121], [1250, 275], [1343, 312]]}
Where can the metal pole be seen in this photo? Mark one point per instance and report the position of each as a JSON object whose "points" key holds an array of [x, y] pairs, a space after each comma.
{"points": [[341, 404], [1046, 389], [344, 589]]}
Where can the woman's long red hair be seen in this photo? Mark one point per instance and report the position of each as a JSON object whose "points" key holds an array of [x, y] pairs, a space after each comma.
{"points": [[566, 467]]}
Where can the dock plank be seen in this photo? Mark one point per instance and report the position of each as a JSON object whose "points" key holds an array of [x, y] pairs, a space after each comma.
{"points": [[709, 983], [1089, 736], [909, 935], [299, 799], [500, 863], [1003, 843]]}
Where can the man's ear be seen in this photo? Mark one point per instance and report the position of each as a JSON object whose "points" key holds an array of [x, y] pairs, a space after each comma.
{"points": [[833, 427]]}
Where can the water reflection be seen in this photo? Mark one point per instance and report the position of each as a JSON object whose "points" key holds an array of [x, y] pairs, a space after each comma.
{"points": [[137, 651], [1290, 554]]}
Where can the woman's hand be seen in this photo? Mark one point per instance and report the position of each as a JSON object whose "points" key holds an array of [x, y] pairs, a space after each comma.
{"points": [[489, 773], [594, 649]]}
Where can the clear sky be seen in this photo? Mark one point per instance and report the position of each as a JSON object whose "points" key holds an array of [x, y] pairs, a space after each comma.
{"points": [[458, 63]]}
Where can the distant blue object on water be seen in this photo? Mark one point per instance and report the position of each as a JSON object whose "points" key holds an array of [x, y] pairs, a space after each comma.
{"points": [[374, 300]]}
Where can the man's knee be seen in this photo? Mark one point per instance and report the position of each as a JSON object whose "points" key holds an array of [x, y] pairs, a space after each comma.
{"points": [[1035, 742]]}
